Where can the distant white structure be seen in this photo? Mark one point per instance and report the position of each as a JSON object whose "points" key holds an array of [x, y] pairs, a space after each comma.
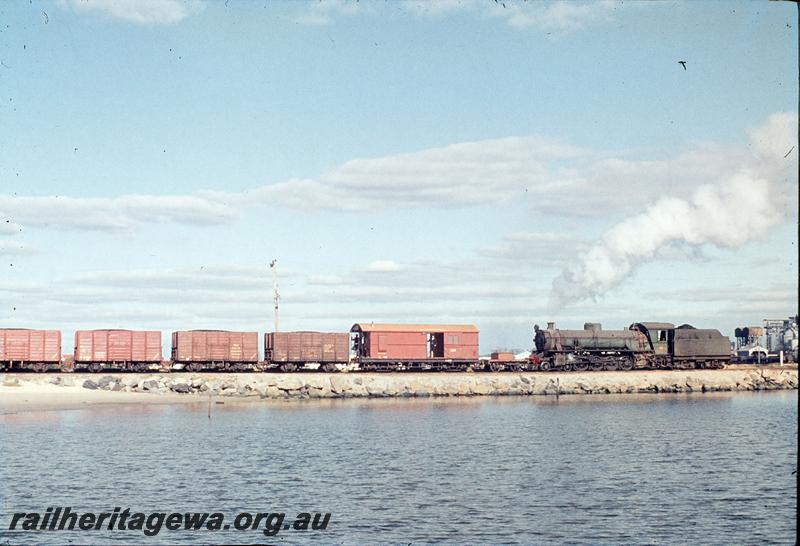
{"points": [[782, 336], [776, 341]]}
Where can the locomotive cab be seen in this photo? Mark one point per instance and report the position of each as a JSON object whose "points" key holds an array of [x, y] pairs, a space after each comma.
{"points": [[663, 341], [661, 338]]}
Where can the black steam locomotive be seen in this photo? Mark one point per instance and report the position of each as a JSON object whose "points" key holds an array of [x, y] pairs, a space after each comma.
{"points": [[652, 345]]}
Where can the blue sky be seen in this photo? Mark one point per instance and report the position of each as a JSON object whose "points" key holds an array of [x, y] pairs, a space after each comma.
{"points": [[403, 161]]}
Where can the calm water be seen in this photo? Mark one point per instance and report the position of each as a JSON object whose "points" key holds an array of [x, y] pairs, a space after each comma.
{"points": [[652, 469]]}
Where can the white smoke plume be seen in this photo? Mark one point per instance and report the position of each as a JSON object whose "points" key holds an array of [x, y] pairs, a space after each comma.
{"points": [[727, 214]]}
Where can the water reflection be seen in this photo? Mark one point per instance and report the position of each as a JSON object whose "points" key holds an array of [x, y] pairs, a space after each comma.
{"points": [[579, 469]]}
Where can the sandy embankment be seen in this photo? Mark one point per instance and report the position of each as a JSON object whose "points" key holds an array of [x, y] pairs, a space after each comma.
{"points": [[31, 395], [28, 392]]}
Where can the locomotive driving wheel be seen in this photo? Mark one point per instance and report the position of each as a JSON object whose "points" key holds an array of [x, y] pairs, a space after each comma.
{"points": [[625, 364], [580, 366]]}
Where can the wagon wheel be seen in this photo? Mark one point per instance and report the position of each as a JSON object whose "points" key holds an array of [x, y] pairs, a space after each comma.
{"points": [[595, 365], [288, 367], [494, 367], [95, 367], [193, 367], [328, 367], [39, 367], [567, 366], [626, 364]]}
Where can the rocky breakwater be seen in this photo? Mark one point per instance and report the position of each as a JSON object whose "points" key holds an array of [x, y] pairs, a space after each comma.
{"points": [[353, 385]]}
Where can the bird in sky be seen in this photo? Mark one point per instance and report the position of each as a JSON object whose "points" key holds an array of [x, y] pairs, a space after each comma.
{"points": [[682, 63]]}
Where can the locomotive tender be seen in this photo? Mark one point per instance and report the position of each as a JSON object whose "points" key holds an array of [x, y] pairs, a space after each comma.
{"points": [[368, 347]]}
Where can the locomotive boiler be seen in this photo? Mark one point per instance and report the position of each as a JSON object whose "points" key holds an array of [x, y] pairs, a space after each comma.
{"points": [[642, 345]]}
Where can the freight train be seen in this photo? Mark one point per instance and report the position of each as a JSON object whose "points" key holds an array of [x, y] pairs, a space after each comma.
{"points": [[367, 347]]}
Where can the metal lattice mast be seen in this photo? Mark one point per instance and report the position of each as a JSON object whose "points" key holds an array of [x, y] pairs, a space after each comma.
{"points": [[273, 265]]}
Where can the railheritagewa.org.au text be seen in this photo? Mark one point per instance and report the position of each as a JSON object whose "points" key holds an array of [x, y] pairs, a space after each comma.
{"points": [[151, 523]]}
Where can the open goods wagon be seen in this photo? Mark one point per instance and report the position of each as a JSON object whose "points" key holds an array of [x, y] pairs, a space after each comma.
{"points": [[197, 350], [132, 350], [289, 351], [37, 350]]}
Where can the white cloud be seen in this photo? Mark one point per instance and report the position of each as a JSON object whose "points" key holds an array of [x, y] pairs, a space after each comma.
{"points": [[535, 248], [325, 280], [383, 266], [554, 177], [436, 8], [313, 18], [25, 287], [115, 213], [8, 226], [547, 16], [462, 174], [9, 248], [323, 12], [504, 301], [144, 12], [776, 139], [559, 16], [549, 176], [737, 292], [213, 277]]}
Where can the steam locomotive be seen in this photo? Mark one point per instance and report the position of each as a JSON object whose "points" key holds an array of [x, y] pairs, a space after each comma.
{"points": [[651, 345]]}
